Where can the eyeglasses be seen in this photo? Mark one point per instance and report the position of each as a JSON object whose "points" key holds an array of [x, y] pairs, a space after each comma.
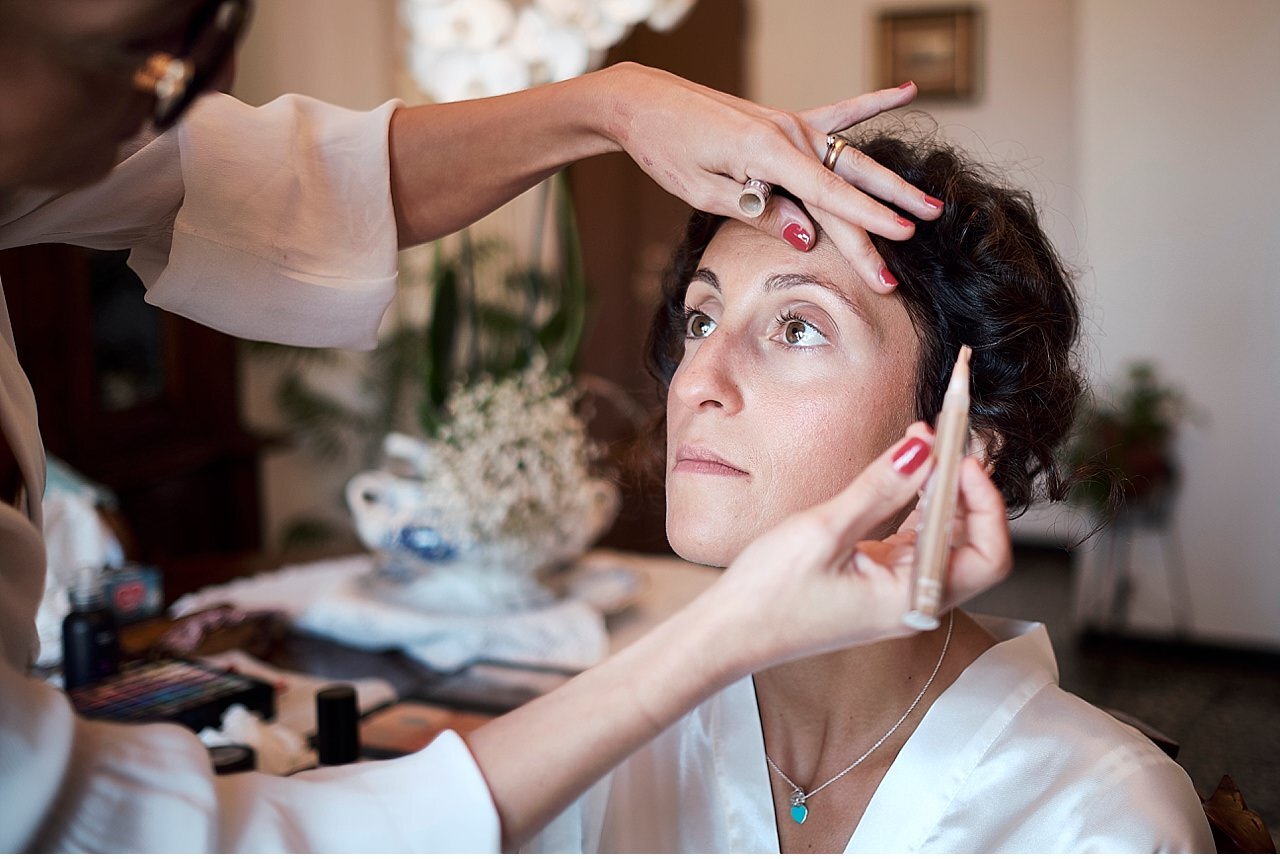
{"points": [[175, 81]]}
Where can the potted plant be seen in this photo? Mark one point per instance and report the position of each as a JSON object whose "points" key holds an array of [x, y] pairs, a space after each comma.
{"points": [[1127, 444]]}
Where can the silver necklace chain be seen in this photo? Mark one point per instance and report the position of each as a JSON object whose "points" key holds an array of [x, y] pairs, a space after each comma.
{"points": [[800, 796]]}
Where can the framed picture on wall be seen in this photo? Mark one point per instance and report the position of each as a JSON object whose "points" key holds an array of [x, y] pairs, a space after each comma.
{"points": [[939, 49]]}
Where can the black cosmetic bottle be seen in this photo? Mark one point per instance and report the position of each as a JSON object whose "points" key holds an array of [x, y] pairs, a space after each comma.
{"points": [[337, 725], [90, 640]]}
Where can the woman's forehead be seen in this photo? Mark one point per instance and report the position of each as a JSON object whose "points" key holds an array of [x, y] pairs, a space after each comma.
{"points": [[745, 251], [742, 257]]}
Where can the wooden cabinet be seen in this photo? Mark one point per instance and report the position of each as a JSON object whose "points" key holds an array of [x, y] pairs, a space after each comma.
{"points": [[137, 399]]}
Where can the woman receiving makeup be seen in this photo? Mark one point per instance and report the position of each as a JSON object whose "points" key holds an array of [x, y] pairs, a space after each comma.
{"points": [[786, 375]]}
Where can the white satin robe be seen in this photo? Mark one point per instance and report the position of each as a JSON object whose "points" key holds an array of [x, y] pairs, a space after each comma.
{"points": [[1004, 761]]}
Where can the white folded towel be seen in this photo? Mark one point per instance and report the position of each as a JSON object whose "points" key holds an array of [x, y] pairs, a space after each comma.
{"points": [[332, 599]]}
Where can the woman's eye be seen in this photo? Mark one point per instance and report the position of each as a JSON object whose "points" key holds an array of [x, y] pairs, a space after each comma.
{"points": [[699, 325], [797, 332]]}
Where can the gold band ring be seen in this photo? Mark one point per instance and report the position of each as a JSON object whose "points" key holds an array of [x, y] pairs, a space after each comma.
{"points": [[835, 145]]}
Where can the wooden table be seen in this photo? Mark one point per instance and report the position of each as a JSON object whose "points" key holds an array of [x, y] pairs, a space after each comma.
{"points": [[667, 584]]}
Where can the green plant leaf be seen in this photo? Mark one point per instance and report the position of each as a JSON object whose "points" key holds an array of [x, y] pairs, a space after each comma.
{"points": [[319, 421], [563, 333], [441, 337], [504, 348], [294, 355], [535, 287], [393, 375]]}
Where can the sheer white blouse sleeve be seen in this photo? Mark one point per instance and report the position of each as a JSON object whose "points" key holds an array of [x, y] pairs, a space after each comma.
{"points": [[70, 786], [271, 223]]}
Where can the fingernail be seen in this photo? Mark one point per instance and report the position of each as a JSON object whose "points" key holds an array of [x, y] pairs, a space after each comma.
{"points": [[905, 85], [797, 236], [887, 278], [932, 202], [901, 220], [865, 565], [911, 455]]}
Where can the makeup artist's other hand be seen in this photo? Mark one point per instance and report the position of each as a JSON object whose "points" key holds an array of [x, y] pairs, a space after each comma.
{"points": [[702, 145], [806, 586]]}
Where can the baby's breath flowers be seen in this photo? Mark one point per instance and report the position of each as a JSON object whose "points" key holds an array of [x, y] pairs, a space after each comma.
{"points": [[509, 475]]}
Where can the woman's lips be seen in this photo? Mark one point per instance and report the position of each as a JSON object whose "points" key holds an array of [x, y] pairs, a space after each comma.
{"points": [[699, 460]]}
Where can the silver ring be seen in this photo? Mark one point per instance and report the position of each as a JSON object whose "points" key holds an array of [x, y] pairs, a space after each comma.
{"points": [[835, 145], [755, 194]]}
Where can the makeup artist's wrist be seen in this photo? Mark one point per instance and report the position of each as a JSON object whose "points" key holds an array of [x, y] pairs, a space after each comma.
{"points": [[730, 630], [724, 637], [581, 111], [612, 93], [684, 660]]}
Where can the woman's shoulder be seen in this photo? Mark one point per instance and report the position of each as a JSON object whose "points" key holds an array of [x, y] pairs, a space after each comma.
{"points": [[1066, 776], [1120, 792], [1083, 733]]}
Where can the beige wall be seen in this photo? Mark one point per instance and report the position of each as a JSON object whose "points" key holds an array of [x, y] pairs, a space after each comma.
{"points": [[808, 52], [1177, 139], [337, 50]]}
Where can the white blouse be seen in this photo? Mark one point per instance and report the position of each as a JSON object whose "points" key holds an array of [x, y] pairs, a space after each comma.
{"points": [[272, 223], [1003, 761]]}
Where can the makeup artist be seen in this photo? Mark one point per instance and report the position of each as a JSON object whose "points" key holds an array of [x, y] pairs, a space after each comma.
{"points": [[282, 223]]}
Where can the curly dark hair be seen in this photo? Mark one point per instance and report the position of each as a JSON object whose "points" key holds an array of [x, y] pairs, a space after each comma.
{"points": [[985, 274]]}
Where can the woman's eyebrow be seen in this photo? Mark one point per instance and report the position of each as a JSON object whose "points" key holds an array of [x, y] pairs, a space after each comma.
{"points": [[708, 277], [777, 282]]}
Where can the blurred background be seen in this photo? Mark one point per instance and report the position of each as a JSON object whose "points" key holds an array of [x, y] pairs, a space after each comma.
{"points": [[1146, 130], [1141, 127]]}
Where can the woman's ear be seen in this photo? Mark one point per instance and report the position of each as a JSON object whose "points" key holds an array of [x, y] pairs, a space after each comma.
{"points": [[984, 444]]}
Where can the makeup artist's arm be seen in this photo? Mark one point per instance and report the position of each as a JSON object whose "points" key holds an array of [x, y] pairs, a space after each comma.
{"points": [[453, 163], [791, 593]]}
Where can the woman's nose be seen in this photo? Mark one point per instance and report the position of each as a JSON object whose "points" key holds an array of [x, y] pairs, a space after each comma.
{"points": [[706, 378]]}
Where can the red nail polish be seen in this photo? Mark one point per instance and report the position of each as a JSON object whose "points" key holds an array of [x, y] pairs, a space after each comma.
{"points": [[911, 455], [797, 236], [902, 221], [905, 85], [932, 202], [887, 278]]}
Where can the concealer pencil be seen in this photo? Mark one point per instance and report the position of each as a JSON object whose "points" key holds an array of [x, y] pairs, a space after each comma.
{"points": [[938, 507]]}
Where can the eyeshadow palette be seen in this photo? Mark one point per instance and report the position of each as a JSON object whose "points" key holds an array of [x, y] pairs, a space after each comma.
{"points": [[173, 691]]}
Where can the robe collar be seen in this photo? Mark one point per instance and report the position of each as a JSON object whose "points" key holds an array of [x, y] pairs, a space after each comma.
{"points": [[948, 744]]}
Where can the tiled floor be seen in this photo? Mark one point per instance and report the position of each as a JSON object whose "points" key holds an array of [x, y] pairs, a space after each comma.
{"points": [[1221, 706]]}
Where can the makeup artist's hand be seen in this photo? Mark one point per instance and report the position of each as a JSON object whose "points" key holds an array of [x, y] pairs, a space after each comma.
{"points": [[980, 539], [701, 145], [816, 583], [451, 164]]}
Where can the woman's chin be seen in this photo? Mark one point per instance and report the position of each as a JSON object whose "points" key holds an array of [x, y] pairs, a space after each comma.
{"points": [[703, 549]]}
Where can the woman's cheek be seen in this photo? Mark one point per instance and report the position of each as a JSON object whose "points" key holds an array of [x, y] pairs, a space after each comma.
{"points": [[820, 444]]}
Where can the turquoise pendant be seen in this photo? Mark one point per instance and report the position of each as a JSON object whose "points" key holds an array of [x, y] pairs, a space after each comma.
{"points": [[799, 811]]}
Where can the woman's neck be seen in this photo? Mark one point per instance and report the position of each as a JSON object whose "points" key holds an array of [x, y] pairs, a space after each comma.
{"points": [[821, 713]]}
